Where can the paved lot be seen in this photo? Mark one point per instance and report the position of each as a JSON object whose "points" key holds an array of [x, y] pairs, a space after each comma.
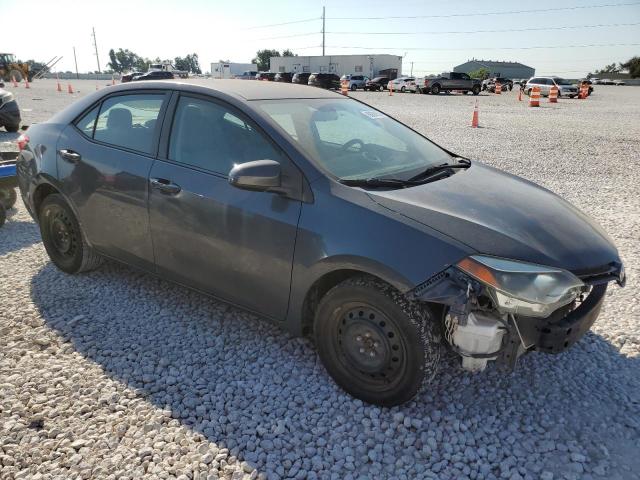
{"points": [[116, 374]]}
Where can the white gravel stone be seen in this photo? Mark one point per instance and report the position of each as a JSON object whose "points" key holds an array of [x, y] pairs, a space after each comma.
{"points": [[117, 374]]}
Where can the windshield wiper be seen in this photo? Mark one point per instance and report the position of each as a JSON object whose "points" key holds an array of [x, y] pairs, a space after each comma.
{"points": [[464, 163], [378, 182]]}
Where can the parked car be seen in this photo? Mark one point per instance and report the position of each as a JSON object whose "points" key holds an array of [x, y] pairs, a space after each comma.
{"points": [[127, 77], [490, 84], [8, 184], [451, 81], [9, 111], [619, 82], [606, 81], [566, 88], [588, 82], [154, 75], [248, 75], [232, 189], [355, 81], [283, 77], [402, 84], [301, 78], [376, 83], [266, 76], [324, 80]]}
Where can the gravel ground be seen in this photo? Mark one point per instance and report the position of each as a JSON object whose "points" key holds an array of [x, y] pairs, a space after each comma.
{"points": [[117, 374]]}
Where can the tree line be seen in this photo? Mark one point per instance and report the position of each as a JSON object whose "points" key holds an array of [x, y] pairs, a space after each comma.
{"points": [[124, 60], [632, 66]]}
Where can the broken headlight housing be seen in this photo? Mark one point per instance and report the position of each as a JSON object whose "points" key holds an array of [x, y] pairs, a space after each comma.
{"points": [[521, 288]]}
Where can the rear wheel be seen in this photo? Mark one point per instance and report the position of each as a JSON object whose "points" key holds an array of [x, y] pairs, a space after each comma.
{"points": [[16, 75], [354, 87], [8, 197], [12, 128], [475, 89], [402, 89], [435, 90], [63, 238], [377, 345]]}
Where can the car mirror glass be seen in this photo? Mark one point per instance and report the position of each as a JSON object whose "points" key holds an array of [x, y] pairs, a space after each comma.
{"points": [[257, 175]]}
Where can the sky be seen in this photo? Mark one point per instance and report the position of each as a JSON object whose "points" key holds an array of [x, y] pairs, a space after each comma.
{"points": [[235, 30]]}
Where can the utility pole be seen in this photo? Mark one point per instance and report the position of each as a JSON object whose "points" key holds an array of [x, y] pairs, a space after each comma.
{"points": [[95, 44], [76, 61], [323, 22], [411, 69]]}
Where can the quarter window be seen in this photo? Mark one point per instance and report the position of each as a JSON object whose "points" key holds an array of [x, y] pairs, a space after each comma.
{"points": [[87, 123], [129, 121], [209, 136]]}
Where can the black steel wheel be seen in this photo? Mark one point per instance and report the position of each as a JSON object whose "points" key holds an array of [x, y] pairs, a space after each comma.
{"points": [[377, 345], [8, 197], [63, 238]]}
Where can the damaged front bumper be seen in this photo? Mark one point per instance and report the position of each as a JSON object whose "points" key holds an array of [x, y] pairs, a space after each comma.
{"points": [[478, 330]]}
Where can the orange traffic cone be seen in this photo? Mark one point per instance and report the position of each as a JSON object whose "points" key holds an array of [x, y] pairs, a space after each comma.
{"points": [[59, 87], [26, 83], [475, 120], [113, 80], [69, 88], [390, 87], [520, 95], [13, 80]]}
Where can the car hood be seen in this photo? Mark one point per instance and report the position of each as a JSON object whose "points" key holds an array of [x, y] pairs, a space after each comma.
{"points": [[499, 214]]}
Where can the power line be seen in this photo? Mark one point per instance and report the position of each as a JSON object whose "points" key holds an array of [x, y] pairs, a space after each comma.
{"points": [[562, 27], [283, 23], [289, 36], [491, 48], [480, 14]]}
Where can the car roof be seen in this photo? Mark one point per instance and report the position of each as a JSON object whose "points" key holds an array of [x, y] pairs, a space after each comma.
{"points": [[244, 90]]}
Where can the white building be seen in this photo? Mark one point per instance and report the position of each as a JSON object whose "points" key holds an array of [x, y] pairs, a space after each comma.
{"points": [[369, 65], [230, 70]]}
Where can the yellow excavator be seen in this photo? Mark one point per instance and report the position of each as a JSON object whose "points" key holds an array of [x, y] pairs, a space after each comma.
{"points": [[11, 69]]}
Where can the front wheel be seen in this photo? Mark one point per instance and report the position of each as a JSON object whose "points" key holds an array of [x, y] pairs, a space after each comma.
{"points": [[12, 128], [8, 197], [353, 87], [435, 90], [475, 90], [62, 237], [376, 344], [402, 89]]}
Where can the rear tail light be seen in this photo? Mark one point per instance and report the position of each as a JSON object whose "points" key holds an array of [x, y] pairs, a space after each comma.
{"points": [[22, 141], [426, 82]]}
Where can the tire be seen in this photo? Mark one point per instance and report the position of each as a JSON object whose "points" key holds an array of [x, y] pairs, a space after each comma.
{"points": [[15, 74], [528, 92], [435, 90], [475, 90], [63, 238], [402, 89], [12, 128], [353, 87], [377, 345], [8, 197]]}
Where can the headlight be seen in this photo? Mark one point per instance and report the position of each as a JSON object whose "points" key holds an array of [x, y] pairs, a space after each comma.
{"points": [[523, 288]]}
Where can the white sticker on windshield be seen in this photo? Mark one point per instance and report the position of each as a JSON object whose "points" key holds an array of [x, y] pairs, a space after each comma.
{"points": [[373, 114]]}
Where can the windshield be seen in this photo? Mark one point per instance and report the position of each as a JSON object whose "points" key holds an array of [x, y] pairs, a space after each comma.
{"points": [[351, 140], [562, 81]]}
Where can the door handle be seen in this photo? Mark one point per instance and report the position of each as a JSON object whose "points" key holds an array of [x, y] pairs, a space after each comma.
{"points": [[165, 186], [69, 155]]}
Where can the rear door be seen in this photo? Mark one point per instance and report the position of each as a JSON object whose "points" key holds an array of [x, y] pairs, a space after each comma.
{"points": [[103, 162], [232, 243]]}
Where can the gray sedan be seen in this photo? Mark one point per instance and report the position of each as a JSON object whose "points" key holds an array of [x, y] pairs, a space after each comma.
{"points": [[324, 215]]}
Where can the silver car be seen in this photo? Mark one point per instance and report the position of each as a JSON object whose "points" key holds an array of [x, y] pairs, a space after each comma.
{"points": [[355, 81], [565, 87]]}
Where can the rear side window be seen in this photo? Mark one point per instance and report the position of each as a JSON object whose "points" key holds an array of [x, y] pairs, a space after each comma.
{"points": [[129, 121], [87, 123], [213, 137]]}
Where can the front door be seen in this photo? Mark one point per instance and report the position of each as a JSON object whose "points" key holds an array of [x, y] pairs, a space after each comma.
{"points": [[232, 243], [103, 163]]}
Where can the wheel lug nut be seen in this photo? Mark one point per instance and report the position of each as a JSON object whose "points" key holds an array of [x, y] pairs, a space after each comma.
{"points": [[362, 350], [358, 338], [367, 334], [372, 354], [375, 344]]}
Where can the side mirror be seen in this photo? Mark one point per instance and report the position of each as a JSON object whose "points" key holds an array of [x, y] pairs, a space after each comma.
{"points": [[258, 175]]}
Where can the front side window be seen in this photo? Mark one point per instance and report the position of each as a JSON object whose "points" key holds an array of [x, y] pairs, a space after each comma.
{"points": [[353, 141], [213, 137], [129, 121]]}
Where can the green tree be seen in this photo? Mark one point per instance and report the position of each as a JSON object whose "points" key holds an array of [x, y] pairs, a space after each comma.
{"points": [[480, 74], [612, 68], [263, 57], [289, 53], [632, 66], [190, 63], [122, 60]]}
